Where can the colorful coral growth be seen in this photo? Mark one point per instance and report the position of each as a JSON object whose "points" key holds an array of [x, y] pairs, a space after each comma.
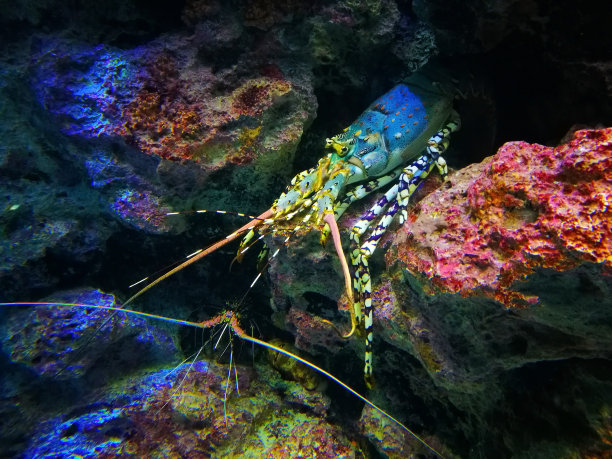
{"points": [[255, 96], [525, 208], [160, 119], [165, 119], [186, 412], [164, 107], [87, 87]]}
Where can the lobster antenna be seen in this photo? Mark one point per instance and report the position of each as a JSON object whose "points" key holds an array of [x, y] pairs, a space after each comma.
{"points": [[165, 269], [227, 382], [206, 211], [201, 254], [185, 212], [235, 326], [261, 270], [191, 258]]}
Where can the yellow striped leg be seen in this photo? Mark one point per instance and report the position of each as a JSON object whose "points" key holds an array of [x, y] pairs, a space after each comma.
{"points": [[357, 231], [413, 175], [361, 191], [361, 269], [357, 193], [364, 281]]}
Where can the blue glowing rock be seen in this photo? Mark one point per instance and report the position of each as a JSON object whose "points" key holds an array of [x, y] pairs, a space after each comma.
{"points": [[73, 342], [88, 87], [186, 412], [100, 428]]}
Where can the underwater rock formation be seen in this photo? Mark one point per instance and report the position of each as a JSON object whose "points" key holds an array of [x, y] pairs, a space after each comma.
{"points": [[527, 208], [95, 135], [498, 273], [48, 214], [120, 406], [492, 332], [188, 410], [47, 340], [164, 100], [528, 227], [52, 357]]}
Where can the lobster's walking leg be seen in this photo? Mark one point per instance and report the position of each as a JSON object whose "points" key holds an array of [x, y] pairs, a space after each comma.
{"points": [[412, 176], [356, 256], [361, 255], [361, 191], [358, 193]]}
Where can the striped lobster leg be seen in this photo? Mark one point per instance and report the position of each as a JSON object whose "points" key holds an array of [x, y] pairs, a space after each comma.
{"points": [[361, 272], [361, 191], [362, 281], [394, 200]]}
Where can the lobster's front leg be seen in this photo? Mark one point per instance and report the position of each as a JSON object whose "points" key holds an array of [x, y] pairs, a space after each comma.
{"points": [[396, 199], [361, 191], [362, 282]]}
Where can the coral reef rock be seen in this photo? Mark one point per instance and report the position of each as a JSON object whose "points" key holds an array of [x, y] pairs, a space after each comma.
{"points": [[495, 302]]}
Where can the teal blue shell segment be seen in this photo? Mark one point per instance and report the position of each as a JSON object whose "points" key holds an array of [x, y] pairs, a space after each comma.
{"points": [[398, 115], [385, 130]]}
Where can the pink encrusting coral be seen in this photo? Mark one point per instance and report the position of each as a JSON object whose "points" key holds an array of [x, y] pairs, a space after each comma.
{"points": [[528, 207]]}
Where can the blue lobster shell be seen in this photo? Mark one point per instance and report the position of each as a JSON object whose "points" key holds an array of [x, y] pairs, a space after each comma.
{"points": [[392, 130]]}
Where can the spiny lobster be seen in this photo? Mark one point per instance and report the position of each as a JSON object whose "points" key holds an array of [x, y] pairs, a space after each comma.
{"points": [[400, 137]]}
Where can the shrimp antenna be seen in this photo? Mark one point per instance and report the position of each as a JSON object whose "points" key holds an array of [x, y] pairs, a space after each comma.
{"points": [[229, 319]]}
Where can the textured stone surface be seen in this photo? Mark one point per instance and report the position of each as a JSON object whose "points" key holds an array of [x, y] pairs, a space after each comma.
{"points": [[47, 340], [529, 207], [114, 114], [188, 411]]}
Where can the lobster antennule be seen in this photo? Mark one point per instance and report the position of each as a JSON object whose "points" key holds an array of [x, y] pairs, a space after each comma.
{"points": [[252, 224]]}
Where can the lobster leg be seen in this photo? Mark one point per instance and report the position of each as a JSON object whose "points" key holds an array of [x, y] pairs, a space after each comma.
{"points": [[361, 255], [356, 194], [412, 176], [361, 272], [361, 191]]}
